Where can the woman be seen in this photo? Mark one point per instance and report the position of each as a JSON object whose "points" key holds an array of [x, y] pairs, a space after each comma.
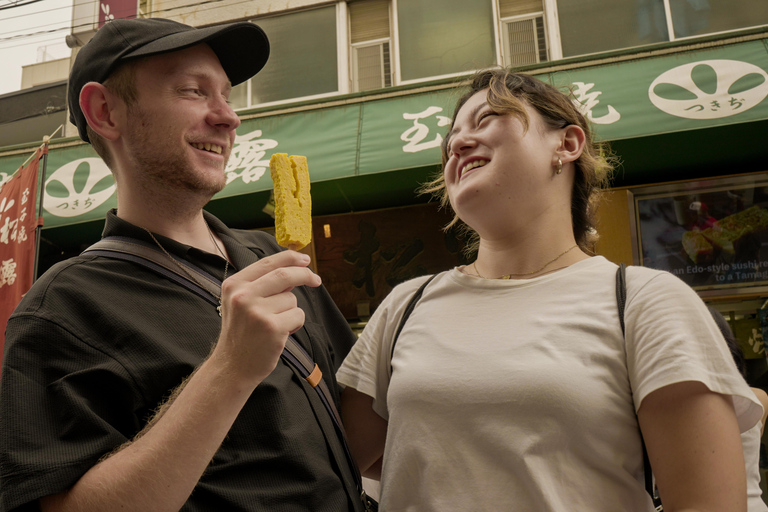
{"points": [[512, 385]]}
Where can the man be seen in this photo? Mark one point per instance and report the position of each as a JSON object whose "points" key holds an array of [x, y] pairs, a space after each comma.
{"points": [[121, 389]]}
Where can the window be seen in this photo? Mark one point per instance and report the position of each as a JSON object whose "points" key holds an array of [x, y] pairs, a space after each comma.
{"points": [[697, 17], [524, 39], [444, 37], [393, 42], [590, 26], [303, 59], [371, 66], [370, 42]]}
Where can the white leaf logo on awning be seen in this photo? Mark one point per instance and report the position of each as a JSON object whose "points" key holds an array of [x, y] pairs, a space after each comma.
{"points": [[78, 187], [709, 89]]}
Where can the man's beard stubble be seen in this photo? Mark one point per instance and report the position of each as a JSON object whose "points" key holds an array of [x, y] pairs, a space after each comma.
{"points": [[163, 162]]}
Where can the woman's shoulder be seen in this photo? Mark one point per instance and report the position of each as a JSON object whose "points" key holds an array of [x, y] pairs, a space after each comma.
{"points": [[639, 277]]}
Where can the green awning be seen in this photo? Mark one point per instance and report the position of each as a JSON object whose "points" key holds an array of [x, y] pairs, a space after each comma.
{"points": [[357, 137]]}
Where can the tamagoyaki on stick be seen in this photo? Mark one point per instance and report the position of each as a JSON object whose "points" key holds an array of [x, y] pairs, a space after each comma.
{"points": [[293, 203]]}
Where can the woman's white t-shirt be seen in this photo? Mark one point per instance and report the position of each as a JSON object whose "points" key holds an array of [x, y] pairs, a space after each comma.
{"points": [[519, 395]]}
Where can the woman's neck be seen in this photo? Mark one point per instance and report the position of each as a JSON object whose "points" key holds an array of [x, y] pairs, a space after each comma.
{"points": [[525, 259]]}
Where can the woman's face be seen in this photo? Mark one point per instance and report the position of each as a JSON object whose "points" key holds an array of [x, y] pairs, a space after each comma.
{"points": [[496, 169]]}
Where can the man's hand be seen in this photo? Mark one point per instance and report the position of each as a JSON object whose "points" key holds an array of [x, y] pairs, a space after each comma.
{"points": [[259, 312]]}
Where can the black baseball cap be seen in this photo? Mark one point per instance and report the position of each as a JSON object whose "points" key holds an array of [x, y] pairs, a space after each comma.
{"points": [[242, 49]]}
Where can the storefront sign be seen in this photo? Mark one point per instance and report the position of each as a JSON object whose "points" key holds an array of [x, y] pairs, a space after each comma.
{"points": [[682, 92]]}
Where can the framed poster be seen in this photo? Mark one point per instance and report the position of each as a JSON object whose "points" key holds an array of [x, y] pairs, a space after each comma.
{"points": [[713, 233]]}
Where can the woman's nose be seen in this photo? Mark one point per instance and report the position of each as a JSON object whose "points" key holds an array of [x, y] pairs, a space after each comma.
{"points": [[461, 142]]}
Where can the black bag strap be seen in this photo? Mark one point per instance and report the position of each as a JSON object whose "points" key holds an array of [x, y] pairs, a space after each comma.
{"points": [[621, 299], [131, 249], [408, 310], [209, 288]]}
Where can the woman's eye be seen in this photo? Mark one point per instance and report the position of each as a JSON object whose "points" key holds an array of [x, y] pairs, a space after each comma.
{"points": [[485, 115]]}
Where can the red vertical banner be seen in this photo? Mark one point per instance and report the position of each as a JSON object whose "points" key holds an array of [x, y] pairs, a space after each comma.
{"points": [[18, 220]]}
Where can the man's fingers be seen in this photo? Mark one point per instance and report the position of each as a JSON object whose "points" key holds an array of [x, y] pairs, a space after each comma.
{"points": [[266, 265], [291, 319], [279, 280], [276, 304]]}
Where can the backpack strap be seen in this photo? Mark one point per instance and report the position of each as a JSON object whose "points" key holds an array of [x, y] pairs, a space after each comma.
{"points": [[621, 299], [208, 287], [408, 310], [141, 253]]}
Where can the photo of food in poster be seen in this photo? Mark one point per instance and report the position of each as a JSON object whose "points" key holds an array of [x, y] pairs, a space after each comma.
{"points": [[708, 238]]}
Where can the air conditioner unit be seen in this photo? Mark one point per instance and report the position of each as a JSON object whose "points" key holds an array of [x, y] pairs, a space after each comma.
{"points": [[371, 67], [525, 41]]}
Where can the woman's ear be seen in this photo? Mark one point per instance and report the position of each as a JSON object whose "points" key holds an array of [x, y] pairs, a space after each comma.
{"points": [[572, 144], [98, 106]]}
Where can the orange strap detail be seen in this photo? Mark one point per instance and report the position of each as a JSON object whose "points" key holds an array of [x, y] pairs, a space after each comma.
{"points": [[315, 376]]}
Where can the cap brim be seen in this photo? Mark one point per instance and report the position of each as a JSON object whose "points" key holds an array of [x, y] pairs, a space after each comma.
{"points": [[242, 48]]}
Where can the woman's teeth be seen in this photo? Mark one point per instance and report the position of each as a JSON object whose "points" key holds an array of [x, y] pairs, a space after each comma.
{"points": [[472, 165]]}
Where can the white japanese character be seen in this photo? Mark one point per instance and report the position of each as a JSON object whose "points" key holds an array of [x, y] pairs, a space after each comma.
{"points": [[7, 272], [246, 162], [419, 131], [5, 230], [585, 101]]}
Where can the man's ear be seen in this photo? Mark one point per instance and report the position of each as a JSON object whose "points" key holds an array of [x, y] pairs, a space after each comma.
{"points": [[98, 105], [572, 143]]}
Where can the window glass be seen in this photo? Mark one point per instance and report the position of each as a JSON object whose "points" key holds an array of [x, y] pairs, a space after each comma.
{"points": [[590, 26], [697, 17], [441, 37], [303, 56]]}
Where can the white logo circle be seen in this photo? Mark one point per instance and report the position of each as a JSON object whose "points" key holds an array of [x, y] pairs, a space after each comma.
{"points": [[709, 89], [78, 202]]}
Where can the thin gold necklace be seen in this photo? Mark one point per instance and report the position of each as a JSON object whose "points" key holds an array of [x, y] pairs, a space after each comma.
{"points": [[508, 276], [210, 232], [189, 274]]}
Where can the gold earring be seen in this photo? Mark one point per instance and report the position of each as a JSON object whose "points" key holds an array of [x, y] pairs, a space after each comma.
{"points": [[559, 166]]}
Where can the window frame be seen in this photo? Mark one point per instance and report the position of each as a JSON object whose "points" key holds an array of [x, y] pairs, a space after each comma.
{"points": [[351, 56], [353, 61], [503, 33]]}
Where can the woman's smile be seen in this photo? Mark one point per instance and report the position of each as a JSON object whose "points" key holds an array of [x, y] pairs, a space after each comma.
{"points": [[472, 164]]}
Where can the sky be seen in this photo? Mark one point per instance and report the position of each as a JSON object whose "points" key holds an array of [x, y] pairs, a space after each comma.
{"points": [[19, 48]]}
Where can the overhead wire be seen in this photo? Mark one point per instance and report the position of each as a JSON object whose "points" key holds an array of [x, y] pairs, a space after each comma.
{"points": [[83, 25], [13, 6], [14, 39], [37, 12]]}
